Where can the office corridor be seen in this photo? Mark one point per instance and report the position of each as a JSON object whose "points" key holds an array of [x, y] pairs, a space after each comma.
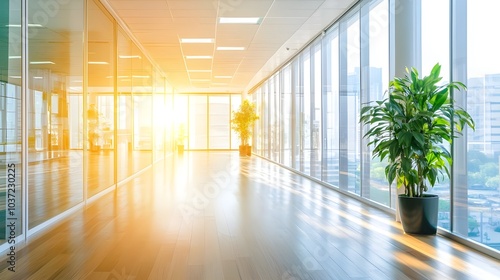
{"points": [[215, 215]]}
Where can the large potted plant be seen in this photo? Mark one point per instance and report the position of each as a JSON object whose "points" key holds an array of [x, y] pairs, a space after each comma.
{"points": [[410, 129], [242, 123]]}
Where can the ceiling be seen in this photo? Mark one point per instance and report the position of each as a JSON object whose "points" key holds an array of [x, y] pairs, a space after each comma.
{"points": [[285, 26]]}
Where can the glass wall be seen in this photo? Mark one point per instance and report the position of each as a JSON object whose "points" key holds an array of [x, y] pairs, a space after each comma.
{"points": [[436, 48], [124, 124], [198, 122], [316, 108], [235, 104], [297, 114], [142, 108], [331, 122], [100, 100], [264, 119], [219, 122], [10, 119], [483, 145], [54, 80], [143, 118], [374, 77], [159, 117], [349, 65], [88, 94], [169, 122], [206, 120], [181, 119], [350, 102], [286, 112], [305, 113]]}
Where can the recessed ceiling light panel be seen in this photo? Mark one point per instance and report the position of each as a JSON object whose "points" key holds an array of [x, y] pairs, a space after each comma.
{"points": [[29, 25], [41, 62], [98, 63], [129, 56]]}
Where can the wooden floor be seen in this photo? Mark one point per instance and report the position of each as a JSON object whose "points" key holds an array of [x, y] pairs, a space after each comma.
{"points": [[219, 216]]}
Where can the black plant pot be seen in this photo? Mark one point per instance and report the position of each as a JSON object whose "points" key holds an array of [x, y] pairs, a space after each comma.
{"points": [[419, 215]]}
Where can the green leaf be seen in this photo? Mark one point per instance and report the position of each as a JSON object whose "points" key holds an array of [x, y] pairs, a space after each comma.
{"points": [[419, 137], [440, 98]]}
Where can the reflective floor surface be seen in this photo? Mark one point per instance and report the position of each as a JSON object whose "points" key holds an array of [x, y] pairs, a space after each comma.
{"points": [[215, 215]]}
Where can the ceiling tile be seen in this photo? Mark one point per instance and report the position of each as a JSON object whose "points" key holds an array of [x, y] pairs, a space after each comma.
{"points": [[140, 5], [242, 8], [199, 64], [193, 13], [144, 13], [191, 5], [200, 75], [197, 49]]}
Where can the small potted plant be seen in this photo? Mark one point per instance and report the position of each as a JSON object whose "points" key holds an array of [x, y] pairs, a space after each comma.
{"points": [[242, 123], [409, 129]]}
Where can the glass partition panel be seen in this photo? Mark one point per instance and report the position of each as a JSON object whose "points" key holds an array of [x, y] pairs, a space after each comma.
{"points": [[275, 141], [298, 96], [219, 122], [54, 132], [159, 116], [305, 113], [10, 157], [376, 81], [181, 120], [10, 118], [265, 119], [198, 132], [142, 130], [124, 105], [436, 49], [286, 113], [235, 104], [482, 188], [331, 107], [169, 122], [349, 103], [258, 132], [316, 122], [142, 92], [100, 100]]}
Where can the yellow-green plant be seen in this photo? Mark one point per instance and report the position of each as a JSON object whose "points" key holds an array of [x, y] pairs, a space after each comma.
{"points": [[181, 134], [409, 127], [243, 120]]}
